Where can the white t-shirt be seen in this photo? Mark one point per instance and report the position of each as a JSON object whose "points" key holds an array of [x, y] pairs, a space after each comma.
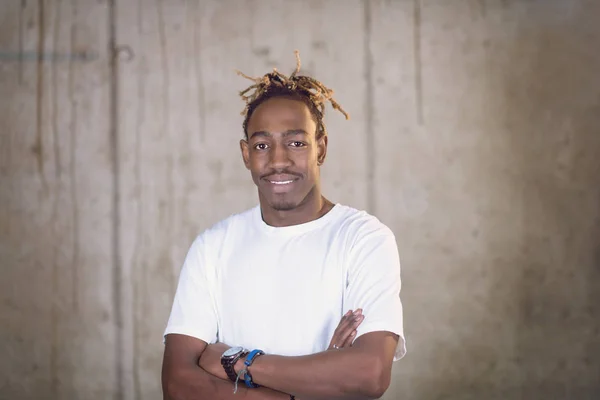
{"points": [[284, 289]]}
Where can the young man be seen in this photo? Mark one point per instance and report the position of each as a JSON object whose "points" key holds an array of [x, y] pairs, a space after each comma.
{"points": [[297, 297]]}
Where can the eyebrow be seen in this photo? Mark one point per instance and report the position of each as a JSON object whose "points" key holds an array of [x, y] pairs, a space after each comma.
{"points": [[290, 132]]}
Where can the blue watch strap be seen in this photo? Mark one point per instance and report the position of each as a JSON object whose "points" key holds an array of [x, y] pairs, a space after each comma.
{"points": [[252, 355], [248, 362]]}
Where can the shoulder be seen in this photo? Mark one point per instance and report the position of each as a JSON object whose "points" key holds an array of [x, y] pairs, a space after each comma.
{"points": [[361, 226], [371, 243], [227, 229]]}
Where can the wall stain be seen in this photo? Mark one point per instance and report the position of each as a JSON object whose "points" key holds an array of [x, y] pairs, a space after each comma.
{"points": [[262, 51], [38, 147], [55, 102], [199, 80], [320, 44], [73, 171], [113, 74], [482, 8], [139, 221], [369, 108], [54, 313], [136, 321], [418, 62], [166, 133], [183, 165], [21, 47], [55, 316]]}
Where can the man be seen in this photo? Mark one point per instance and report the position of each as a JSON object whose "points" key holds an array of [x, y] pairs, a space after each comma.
{"points": [[297, 297]]}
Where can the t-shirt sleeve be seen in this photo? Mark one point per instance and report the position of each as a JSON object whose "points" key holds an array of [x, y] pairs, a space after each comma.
{"points": [[373, 284], [193, 312]]}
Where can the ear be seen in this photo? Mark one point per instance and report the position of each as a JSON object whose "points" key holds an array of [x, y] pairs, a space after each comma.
{"points": [[321, 149], [245, 152]]}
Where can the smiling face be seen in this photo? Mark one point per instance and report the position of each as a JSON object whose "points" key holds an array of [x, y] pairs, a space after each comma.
{"points": [[283, 154]]}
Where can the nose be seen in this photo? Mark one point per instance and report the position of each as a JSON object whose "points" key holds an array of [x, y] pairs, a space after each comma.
{"points": [[280, 158]]}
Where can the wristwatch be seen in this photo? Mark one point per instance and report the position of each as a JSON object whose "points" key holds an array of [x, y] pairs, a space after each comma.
{"points": [[229, 358]]}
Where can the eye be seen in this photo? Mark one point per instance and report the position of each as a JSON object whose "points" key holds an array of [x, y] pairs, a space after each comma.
{"points": [[261, 146], [297, 144]]}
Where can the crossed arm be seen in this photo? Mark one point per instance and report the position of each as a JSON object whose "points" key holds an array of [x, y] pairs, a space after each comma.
{"points": [[359, 372], [192, 369], [183, 379]]}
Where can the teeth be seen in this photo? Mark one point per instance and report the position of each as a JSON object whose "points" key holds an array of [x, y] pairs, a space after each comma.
{"points": [[281, 182]]}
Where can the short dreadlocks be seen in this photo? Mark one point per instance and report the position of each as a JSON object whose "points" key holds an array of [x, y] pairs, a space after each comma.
{"points": [[303, 88]]}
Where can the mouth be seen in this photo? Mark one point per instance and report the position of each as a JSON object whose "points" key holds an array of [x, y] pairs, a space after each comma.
{"points": [[281, 182]]}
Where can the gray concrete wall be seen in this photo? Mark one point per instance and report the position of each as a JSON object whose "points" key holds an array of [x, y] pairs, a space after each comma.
{"points": [[474, 134]]}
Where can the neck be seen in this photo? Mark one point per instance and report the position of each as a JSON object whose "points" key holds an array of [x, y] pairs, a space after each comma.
{"points": [[312, 208]]}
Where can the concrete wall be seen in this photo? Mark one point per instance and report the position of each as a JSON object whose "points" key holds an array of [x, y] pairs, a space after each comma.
{"points": [[475, 135]]}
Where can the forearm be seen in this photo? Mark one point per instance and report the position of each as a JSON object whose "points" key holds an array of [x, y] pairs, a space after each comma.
{"points": [[342, 374], [196, 384]]}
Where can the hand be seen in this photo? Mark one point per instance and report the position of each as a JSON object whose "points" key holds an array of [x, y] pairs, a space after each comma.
{"points": [[346, 330], [210, 360]]}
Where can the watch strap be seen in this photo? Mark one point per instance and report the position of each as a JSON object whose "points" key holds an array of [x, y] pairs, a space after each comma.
{"points": [[248, 362], [229, 364]]}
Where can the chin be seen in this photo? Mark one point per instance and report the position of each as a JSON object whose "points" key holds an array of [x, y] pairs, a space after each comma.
{"points": [[284, 205], [284, 201]]}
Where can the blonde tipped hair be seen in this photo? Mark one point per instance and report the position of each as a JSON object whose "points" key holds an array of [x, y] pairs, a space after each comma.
{"points": [[275, 84]]}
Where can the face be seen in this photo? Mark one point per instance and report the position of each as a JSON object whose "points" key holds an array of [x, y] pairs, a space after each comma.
{"points": [[283, 153]]}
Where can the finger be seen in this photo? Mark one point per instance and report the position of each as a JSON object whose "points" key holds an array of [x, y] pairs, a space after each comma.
{"points": [[352, 335], [342, 326], [345, 333], [349, 339], [344, 322]]}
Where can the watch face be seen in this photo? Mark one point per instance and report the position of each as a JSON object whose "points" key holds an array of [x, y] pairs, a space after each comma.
{"points": [[232, 351]]}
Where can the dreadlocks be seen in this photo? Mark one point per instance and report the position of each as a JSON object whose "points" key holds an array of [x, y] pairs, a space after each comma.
{"points": [[304, 88]]}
